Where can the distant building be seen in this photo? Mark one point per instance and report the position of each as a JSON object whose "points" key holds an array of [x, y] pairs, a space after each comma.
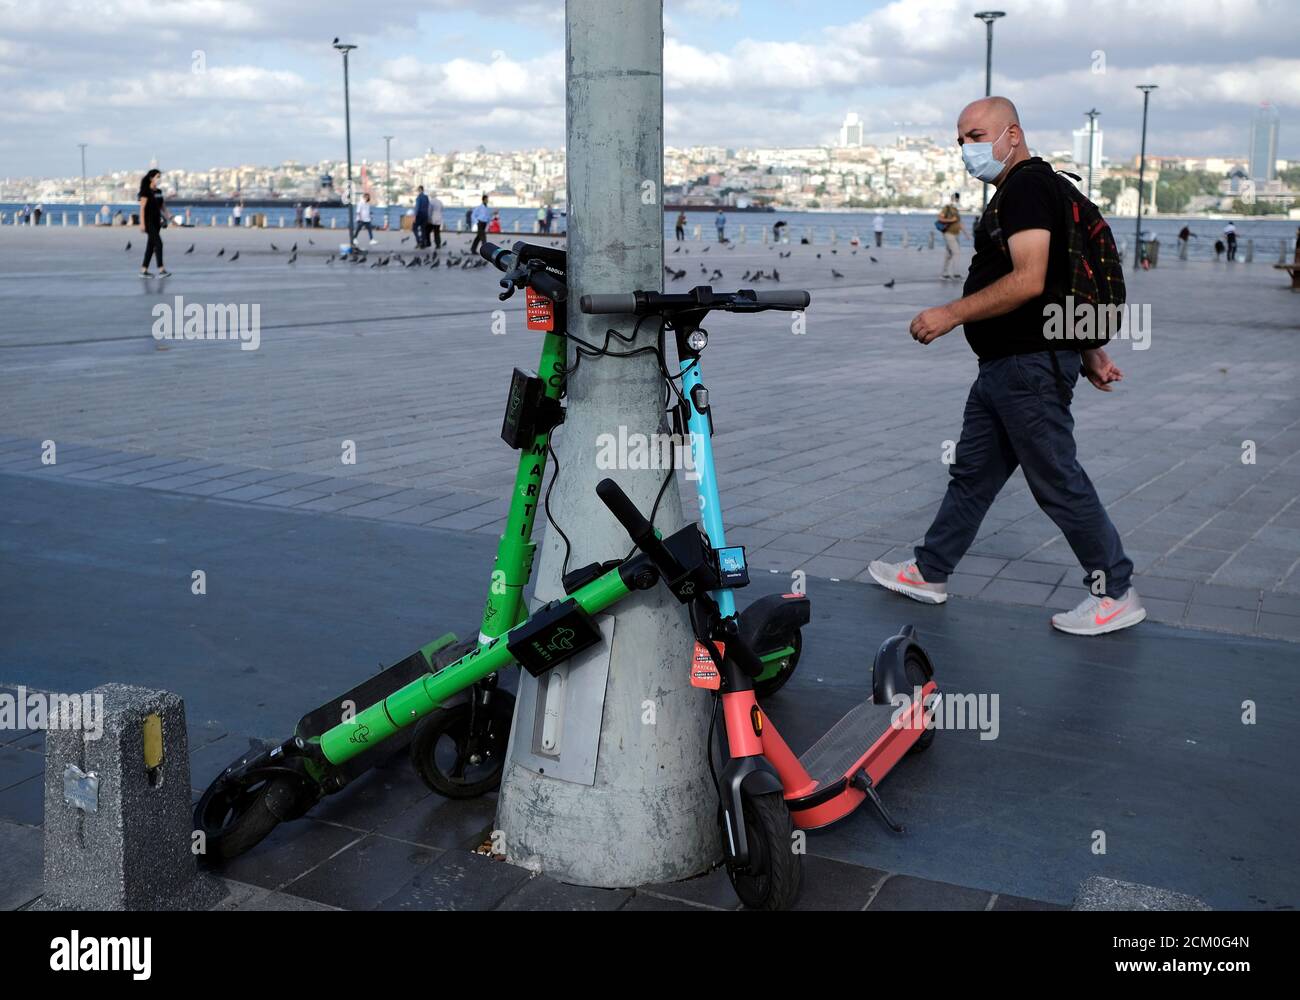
{"points": [[851, 132], [1263, 142], [1080, 151]]}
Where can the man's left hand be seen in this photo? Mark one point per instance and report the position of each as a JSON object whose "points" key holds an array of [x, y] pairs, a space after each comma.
{"points": [[932, 324]]}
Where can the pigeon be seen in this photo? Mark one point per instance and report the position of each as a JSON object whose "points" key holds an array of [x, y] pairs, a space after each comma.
{"points": [[191, 249], [234, 256], [128, 245], [329, 259], [745, 276], [311, 241], [669, 270], [292, 257], [678, 275], [785, 255], [834, 251], [889, 283], [405, 238], [221, 252], [294, 248], [872, 259], [835, 273], [678, 250], [275, 248], [715, 275], [705, 250], [819, 256], [776, 275]]}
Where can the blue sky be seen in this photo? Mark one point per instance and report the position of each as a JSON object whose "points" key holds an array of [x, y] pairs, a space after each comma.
{"points": [[200, 83]]}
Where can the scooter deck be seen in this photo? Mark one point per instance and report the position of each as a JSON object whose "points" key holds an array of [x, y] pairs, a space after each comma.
{"points": [[836, 754]]}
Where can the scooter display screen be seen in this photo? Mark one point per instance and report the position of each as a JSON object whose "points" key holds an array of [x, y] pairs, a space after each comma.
{"points": [[731, 566]]}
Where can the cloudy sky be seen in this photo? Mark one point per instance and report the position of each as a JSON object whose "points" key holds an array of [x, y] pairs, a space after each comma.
{"points": [[199, 83]]}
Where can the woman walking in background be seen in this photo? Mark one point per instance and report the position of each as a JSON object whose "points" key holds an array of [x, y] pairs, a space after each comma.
{"points": [[152, 210]]}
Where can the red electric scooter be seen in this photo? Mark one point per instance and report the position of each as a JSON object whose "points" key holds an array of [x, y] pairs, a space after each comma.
{"points": [[764, 790]]}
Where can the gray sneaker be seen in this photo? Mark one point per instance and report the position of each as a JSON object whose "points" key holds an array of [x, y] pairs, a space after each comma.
{"points": [[905, 578], [1097, 615]]}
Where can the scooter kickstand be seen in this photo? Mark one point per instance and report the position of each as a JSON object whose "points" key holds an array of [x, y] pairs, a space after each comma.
{"points": [[862, 781]]}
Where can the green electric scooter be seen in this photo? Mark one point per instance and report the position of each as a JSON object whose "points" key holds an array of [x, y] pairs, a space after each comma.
{"points": [[445, 697]]}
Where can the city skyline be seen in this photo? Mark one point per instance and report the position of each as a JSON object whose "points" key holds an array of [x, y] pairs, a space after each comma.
{"points": [[260, 83]]}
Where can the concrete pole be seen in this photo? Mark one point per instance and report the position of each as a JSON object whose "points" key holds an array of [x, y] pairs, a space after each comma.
{"points": [[648, 811]]}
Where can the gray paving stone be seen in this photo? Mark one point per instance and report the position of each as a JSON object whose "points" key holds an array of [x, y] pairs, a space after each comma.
{"points": [[289, 498], [1016, 591], [253, 491], [1279, 626], [904, 892], [1226, 597], [1226, 619]]}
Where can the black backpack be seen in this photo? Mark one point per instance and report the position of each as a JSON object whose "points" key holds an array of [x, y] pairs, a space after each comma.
{"points": [[1094, 272]]}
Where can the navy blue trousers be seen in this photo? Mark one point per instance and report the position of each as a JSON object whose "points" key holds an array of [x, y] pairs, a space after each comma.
{"points": [[1018, 416]]}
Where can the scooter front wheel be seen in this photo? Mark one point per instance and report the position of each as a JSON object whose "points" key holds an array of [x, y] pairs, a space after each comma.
{"points": [[234, 816], [459, 757], [918, 677], [771, 879]]}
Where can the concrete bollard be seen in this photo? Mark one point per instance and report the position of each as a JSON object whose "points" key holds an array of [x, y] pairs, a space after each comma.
{"points": [[904, 243], [931, 235], [835, 238], [696, 235], [81, 218], [118, 826], [1250, 251]]}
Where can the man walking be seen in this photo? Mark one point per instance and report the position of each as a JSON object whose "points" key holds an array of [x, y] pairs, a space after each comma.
{"points": [[421, 222], [363, 219], [481, 216], [950, 221], [721, 222], [1230, 234], [1018, 411], [878, 227], [435, 222]]}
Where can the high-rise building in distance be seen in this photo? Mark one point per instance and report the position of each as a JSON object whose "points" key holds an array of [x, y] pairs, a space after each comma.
{"points": [[1263, 143], [1081, 146], [851, 132]]}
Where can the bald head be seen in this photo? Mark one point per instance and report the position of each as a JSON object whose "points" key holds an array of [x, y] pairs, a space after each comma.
{"points": [[995, 120]]}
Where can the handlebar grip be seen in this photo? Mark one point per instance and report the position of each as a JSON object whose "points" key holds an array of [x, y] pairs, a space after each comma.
{"points": [[549, 285], [621, 303], [641, 530], [792, 299], [490, 252]]}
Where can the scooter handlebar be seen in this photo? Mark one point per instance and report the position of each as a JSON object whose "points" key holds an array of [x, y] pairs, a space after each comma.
{"points": [[595, 304], [792, 299], [641, 530], [539, 280]]}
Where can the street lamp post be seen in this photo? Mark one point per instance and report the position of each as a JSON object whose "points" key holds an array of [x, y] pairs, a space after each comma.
{"points": [[388, 180], [988, 17], [84, 202], [1146, 89], [347, 124], [1092, 131]]}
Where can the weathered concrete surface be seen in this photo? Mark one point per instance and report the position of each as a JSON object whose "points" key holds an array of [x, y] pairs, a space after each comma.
{"points": [[1099, 893]]}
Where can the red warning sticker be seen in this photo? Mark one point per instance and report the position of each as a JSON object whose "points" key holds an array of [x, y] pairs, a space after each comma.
{"points": [[704, 672], [540, 311]]}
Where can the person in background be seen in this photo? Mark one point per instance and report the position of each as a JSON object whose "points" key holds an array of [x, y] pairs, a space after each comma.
{"points": [[778, 230], [1230, 234], [239, 214], [307, 214], [1218, 249], [495, 225], [153, 209], [421, 223], [550, 217], [878, 227], [681, 226], [435, 222], [363, 219], [1184, 235], [480, 215], [297, 215], [721, 222], [950, 223], [37, 212], [541, 219], [1017, 415]]}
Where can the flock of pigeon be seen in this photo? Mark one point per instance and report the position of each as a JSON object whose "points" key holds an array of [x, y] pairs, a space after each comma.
{"points": [[466, 261]]}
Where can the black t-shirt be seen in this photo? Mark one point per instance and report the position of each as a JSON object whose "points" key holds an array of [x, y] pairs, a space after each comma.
{"points": [[153, 210], [1030, 198]]}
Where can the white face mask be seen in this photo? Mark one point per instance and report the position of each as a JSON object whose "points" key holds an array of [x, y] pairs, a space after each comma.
{"points": [[980, 161]]}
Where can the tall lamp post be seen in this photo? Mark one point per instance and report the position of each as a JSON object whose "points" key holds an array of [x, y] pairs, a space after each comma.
{"points": [[388, 180], [1092, 132], [1146, 89], [988, 17], [347, 124], [82, 146]]}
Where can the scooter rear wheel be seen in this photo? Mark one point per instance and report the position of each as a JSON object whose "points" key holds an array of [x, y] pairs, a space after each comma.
{"points": [[771, 879], [771, 685], [918, 678], [235, 816], [455, 762]]}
